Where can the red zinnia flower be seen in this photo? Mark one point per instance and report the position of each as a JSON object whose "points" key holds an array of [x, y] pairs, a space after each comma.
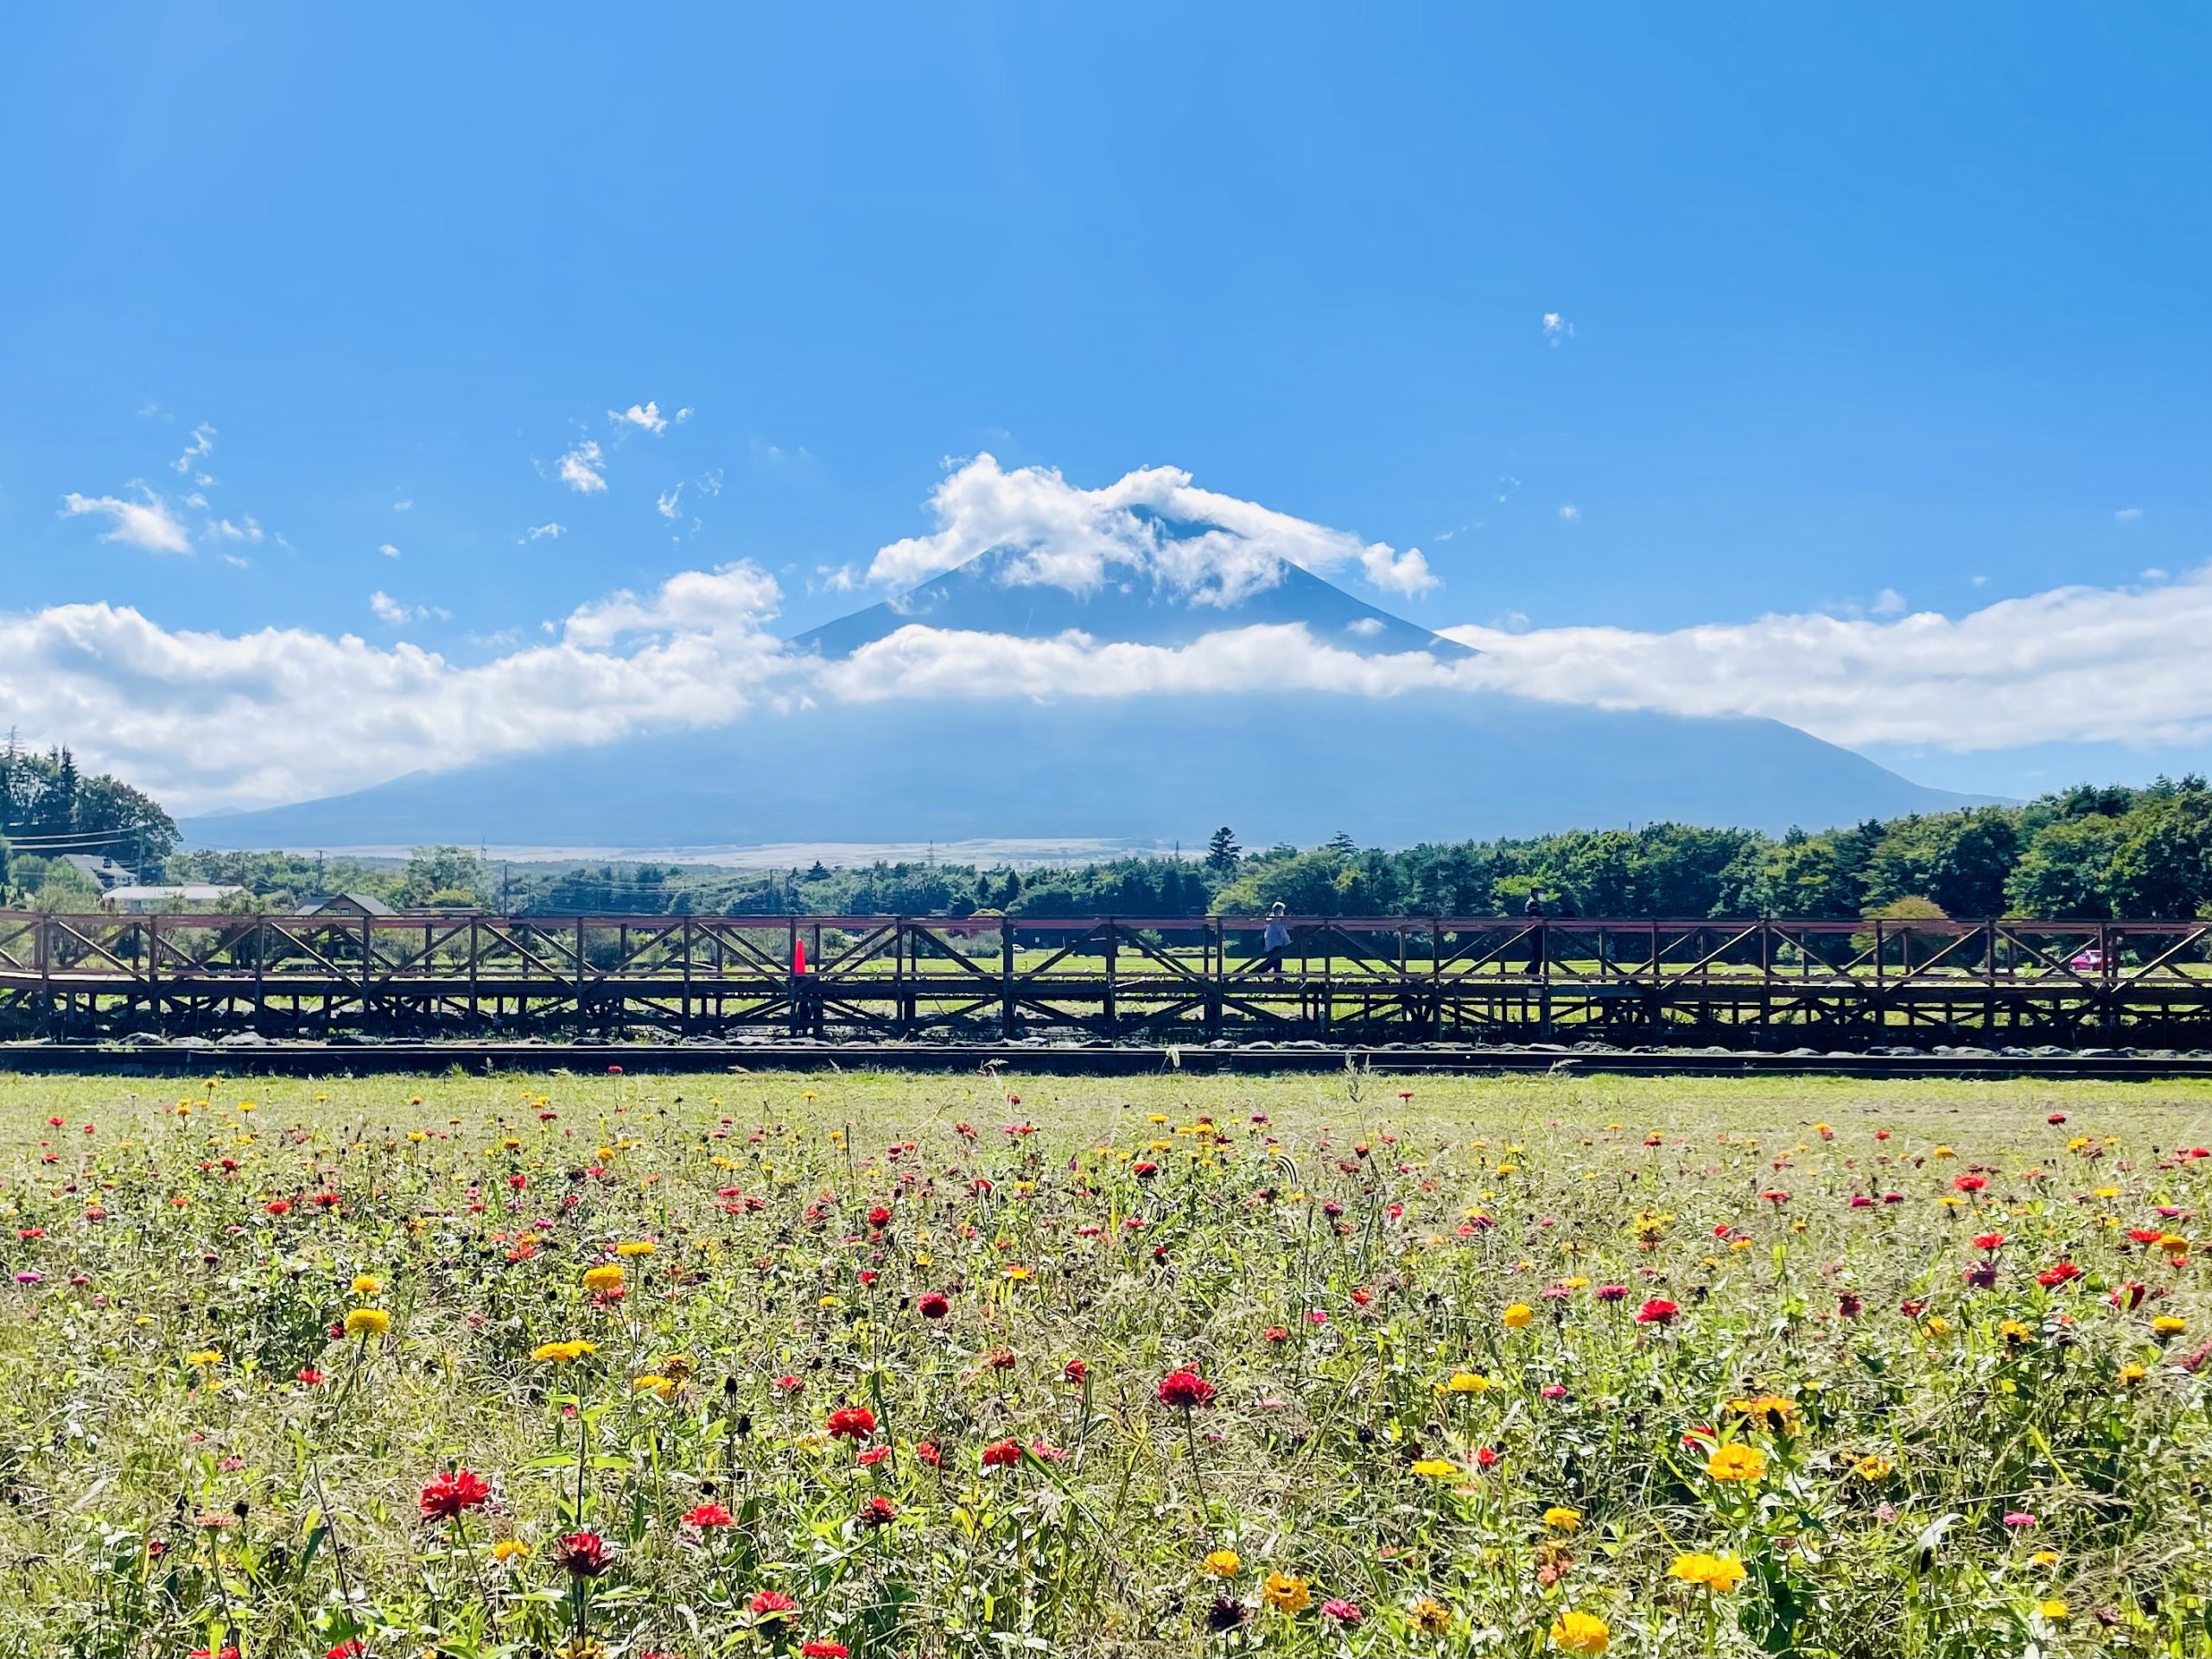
{"points": [[1658, 1311], [447, 1495], [878, 1511], [708, 1514], [825, 1650], [771, 1604], [852, 1422], [933, 1304], [1002, 1455], [583, 1554], [1186, 1389]]}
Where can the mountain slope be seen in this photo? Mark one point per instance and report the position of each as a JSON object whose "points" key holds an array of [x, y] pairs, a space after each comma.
{"points": [[1431, 765], [980, 597]]}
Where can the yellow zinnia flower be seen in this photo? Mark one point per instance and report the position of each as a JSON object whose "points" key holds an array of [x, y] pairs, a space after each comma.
{"points": [[1735, 1462], [607, 1275], [367, 1322], [1224, 1563], [367, 1284], [1519, 1316], [1580, 1633], [1466, 1383], [1281, 1590], [1430, 1615], [1436, 1469], [1559, 1518], [561, 1353], [1720, 1573]]}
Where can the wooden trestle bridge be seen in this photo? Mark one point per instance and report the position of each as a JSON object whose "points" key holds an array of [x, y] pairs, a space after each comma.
{"points": [[1760, 984]]}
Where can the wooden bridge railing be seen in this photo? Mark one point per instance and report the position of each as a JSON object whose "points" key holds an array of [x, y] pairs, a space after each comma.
{"points": [[1166, 979]]}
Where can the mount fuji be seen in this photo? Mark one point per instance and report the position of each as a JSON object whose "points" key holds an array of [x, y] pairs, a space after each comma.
{"points": [[1284, 756]]}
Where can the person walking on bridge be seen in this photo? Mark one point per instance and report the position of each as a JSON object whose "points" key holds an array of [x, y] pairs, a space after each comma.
{"points": [[1274, 939]]}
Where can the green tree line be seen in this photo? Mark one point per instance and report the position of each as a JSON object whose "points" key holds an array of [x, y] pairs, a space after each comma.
{"points": [[2087, 853]]}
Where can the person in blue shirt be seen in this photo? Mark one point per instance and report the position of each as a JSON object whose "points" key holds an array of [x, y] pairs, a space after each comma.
{"points": [[1276, 939]]}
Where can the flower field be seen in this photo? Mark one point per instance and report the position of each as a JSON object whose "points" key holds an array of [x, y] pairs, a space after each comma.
{"points": [[584, 1364]]}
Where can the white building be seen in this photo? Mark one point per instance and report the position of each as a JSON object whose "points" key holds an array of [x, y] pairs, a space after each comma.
{"points": [[144, 901]]}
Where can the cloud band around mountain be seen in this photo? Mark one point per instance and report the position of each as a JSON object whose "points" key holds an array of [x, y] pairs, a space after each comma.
{"points": [[206, 719]]}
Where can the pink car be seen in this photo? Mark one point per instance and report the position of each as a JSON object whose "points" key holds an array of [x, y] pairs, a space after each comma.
{"points": [[2091, 961]]}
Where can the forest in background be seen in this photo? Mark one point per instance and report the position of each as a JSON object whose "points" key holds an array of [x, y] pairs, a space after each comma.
{"points": [[2091, 851]]}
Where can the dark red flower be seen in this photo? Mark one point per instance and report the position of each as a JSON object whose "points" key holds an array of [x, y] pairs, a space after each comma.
{"points": [[583, 1554], [878, 1511], [1186, 1389], [1658, 1311], [447, 1495], [933, 1304]]}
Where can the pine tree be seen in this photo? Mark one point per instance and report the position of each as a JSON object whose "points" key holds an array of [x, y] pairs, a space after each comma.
{"points": [[1222, 852]]}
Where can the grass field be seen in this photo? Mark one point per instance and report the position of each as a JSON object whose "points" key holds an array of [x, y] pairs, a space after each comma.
{"points": [[595, 1364]]}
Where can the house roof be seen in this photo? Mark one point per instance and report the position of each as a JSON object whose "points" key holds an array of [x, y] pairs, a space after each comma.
{"points": [[367, 903]]}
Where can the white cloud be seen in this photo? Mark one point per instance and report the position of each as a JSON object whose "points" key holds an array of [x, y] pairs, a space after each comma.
{"points": [[1406, 573], [646, 417], [387, 549], [1365, 626], [729, 600], [146, 522], [539, 532], [1570, 513], [202, 445], [385, 608], [1557, 327], [579, 467], [666, 503], [2072, 664], [923, 662], [2128, 515], [1203, 547], [403, 506], [1888, 602], [205, 719], [709, 483], [248, 531]]}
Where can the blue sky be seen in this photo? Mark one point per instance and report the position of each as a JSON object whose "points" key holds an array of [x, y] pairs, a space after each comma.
{"points": [[1859, 312]]}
